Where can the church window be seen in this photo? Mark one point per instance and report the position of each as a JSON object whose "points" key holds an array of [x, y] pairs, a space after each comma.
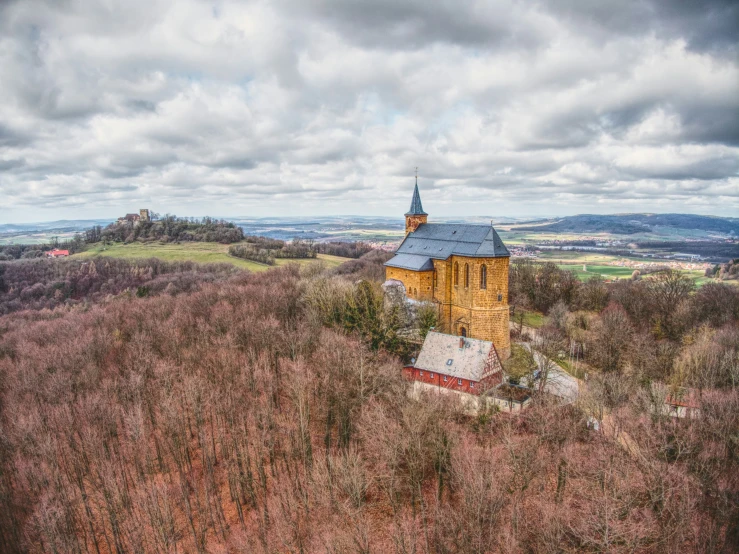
{"points": [[463, 331], [466, 275], [500, 297], [456, 273], [434, 278], [483, 276]]}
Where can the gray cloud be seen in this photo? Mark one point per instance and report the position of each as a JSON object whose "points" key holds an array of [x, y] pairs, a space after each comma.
{"points": [[253, 108]]}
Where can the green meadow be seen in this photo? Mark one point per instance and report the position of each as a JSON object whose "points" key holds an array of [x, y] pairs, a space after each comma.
{"points": [[200, 252]]}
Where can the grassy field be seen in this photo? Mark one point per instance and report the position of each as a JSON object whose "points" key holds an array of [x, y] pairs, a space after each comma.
{"points": [[530, 318], [605, 271], [615, 272], [200, 252]]}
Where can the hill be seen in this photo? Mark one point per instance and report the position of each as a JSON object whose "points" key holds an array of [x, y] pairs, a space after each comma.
{"points": [[630, 224]]}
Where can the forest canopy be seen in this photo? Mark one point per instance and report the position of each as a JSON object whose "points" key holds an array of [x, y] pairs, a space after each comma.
{"points": [[162, 407]]}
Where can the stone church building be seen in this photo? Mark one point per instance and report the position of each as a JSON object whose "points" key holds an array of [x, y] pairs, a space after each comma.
{"points": [[463, 269]]}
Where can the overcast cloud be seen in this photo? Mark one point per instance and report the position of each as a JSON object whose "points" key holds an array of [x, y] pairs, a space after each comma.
{"points": [[311, 107]]}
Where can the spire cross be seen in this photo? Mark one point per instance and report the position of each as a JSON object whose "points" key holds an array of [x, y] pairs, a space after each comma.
{"points": [[416, 174]]}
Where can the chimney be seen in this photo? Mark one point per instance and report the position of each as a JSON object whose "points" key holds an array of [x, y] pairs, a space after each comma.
{"points": [[461, 342]]}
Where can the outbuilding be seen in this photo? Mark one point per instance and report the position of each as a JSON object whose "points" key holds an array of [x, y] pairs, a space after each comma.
{"points": [[455, 363]]}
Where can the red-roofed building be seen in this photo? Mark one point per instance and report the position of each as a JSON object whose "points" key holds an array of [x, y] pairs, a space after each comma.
{"points": [[682, 402], [456, 363], [56, 253]]}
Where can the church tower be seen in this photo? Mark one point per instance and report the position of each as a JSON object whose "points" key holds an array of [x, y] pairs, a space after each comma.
{"points": [[415, 216]]}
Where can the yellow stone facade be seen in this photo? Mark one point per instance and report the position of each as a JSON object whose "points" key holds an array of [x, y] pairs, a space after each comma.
{"points": [[465, 307], [413, 221], [418, 284]]}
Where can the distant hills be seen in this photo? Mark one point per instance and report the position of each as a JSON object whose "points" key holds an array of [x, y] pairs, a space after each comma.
{"points": [[629, 224], [62, 225], [352, 228]]}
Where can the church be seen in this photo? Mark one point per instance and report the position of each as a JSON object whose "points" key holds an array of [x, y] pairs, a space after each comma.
{"points": [[463, 269]]}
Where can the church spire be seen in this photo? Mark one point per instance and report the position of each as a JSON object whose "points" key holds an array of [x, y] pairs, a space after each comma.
{"points": [[416, 207], [415, 216]]}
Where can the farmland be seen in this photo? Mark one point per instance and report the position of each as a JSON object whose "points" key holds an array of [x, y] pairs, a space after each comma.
{"points": [[200, 252]]}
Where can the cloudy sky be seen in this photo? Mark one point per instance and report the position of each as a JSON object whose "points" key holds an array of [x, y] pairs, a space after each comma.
{"points": [[313, 107]]}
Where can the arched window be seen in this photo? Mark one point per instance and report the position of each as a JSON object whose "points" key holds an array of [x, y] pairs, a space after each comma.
{"points": [[456, 273], [463, 331], [466, 275], [483, 276]]}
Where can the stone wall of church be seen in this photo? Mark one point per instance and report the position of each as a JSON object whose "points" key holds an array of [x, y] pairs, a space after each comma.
{"points": [[418, 284], [482, 312], [413, 221], [493, 325]]}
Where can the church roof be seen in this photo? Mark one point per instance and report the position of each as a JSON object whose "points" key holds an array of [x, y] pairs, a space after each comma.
{"points": [[441, 240], [416, 207], [412, 262]]}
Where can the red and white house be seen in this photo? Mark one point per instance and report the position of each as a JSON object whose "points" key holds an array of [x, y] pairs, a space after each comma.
{"points": [[456, 363], [56, 253]]}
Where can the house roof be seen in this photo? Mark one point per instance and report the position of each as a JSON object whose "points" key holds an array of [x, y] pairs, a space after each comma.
{"points": [[441, 240], [685, 398], [416, 207], [441, 353]]}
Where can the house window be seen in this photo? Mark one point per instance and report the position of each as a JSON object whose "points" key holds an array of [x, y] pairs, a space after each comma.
{"points": [[472, 385], [459, 382], [466, 275], [420, 373], [456, 273], [483, 276], [445, 378]]}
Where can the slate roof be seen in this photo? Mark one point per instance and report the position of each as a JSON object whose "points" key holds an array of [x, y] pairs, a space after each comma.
{"points": [[441, 240], [416, 207], [412, 262], [469, 362]]}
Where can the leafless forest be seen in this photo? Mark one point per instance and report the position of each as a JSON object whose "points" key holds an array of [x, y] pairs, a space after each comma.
{"points": [[176, 409]]}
